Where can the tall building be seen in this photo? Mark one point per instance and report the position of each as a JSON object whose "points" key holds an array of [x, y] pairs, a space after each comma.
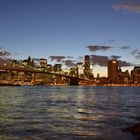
{"points": [[87, 71], [113, 70], [43, 63], [135, 74], [80, 68], [57, 68]]}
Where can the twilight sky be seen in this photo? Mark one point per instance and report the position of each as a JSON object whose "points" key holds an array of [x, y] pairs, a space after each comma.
{"points": [[65, 30]]}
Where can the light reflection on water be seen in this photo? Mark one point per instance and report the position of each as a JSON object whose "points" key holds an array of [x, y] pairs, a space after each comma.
{"points": [[66, 112]]}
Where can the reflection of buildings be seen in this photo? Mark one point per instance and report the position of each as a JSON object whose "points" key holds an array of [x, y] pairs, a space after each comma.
{"points": [[113, 70]]}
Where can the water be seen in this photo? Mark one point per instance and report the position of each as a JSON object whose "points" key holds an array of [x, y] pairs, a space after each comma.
{"points": [[68, 112]]}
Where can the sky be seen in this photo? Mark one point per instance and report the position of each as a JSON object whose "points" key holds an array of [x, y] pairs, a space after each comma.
{"points": [[63, 31]]}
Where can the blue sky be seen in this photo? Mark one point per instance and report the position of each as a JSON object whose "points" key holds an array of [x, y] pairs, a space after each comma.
{"points": [[44, 28]]}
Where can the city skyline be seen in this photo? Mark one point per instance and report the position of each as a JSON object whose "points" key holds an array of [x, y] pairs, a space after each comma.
{"points": [[64, 31]]}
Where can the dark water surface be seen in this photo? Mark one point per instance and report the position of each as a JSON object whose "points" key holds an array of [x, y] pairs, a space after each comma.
{"points": [[68, 112]]}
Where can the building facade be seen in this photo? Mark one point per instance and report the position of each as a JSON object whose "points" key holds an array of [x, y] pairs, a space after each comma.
{"points": [[135, 75], [43, 62], [87, 71], [113, 69]]}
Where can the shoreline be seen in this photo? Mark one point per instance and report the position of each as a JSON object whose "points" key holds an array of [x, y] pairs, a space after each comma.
{"points": [[94, 85]]}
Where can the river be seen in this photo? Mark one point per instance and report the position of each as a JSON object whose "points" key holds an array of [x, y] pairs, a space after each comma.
{"points": [[68, 112]]}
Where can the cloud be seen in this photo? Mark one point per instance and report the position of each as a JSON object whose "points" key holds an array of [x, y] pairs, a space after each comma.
{"points": [[80, 58], [98, 48], [69, 63], [70, 57], [110, 41], [103, 60], [99, 60], [134, 52], [36, 59], [125, 47], [137, 55], [129, 5], [124, 64], [115, 57], [66, 60], [57, 58]]}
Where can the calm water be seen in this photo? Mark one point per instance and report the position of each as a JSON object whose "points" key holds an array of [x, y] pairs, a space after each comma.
{"points": [[67, 112]]}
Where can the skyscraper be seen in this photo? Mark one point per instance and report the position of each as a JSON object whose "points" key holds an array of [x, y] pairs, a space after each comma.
{"points": [[43, 62], [87, 71], [113, 70], [135, 74]]}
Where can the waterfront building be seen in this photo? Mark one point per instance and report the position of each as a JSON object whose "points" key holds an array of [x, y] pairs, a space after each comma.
{"points": [[135, 75], [24, 63], [80, 68], [87, 71], [57, 68], [29, 61], [74, 72], [14, 63], [113, 70], [124, 77], [49, 68], [43, 62]]}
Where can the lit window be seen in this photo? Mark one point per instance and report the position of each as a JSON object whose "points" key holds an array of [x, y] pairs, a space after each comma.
{"points": [[114, 62]]}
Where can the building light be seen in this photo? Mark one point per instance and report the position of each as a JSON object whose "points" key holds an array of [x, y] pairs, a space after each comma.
{"points": [[113, 62]]}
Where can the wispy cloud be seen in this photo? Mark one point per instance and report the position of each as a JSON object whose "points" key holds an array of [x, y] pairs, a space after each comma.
{"points": [[115, 57], [125, 47], [70, 57], [134, 52], [124, 63], [103, 60], [69, 63], [129, 5], [99, 60], [137, 55], [110, 41], [95, 48], [57, 58]]}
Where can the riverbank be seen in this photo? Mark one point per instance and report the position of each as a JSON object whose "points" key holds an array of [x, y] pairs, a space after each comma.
{"points": [[105, 85]]}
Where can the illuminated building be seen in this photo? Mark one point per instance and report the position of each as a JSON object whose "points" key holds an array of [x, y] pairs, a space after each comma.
{"points": [[135, 74], [57, 68], [80, 68], [74, 71], [87, 71], [43, 63], [24, 63], [113, 70], [49, 67], [124, 77]]}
